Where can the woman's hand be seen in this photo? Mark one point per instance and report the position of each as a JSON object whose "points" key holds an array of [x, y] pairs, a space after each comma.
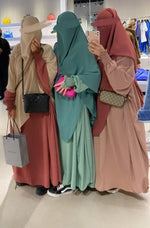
{"points": [[96, 49], [35, 46], [61, 88], [12, 114]]}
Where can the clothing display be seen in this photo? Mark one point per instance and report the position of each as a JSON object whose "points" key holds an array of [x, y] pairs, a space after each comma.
{"points": [[143, 31], [141, 74], [143, 34]]}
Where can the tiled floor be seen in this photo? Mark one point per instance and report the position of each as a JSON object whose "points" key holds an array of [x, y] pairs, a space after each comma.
{"points": [[22, 208]]}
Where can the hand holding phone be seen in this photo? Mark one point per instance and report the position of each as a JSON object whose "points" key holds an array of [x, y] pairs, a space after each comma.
{"points": [[93, 36]]}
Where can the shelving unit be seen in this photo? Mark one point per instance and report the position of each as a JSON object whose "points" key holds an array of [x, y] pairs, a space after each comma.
{"points": [[47, 37]]}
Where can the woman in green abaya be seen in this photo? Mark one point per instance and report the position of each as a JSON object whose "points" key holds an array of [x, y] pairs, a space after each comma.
{"points": [[75, 115]]}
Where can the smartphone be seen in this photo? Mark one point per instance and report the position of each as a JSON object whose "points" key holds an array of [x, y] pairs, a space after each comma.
{"points": [[93, 35]]}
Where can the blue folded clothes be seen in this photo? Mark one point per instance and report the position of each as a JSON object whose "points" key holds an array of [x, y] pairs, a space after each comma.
{"points": [[144, 115], [141, 74], [144, 112], [8, 34]]}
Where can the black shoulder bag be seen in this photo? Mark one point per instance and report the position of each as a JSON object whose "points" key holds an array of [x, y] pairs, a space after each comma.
{"points": [[34, 102]]}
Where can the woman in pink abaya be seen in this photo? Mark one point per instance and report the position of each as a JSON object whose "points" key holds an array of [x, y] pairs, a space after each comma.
{"points": [[119, 138]]}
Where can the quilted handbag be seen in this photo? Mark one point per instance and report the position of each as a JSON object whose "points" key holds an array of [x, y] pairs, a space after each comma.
{"points": [[34, 102], [112, 98], [15, 148]]}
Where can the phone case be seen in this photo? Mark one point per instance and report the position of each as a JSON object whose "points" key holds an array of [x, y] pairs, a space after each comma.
{"points": [[93, 35]]}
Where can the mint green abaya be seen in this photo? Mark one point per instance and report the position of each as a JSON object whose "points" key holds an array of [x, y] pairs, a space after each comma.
{"points": [[75, 115]]}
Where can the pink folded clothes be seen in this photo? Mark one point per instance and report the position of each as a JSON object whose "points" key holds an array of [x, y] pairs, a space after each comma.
{"points": [[70, 92]]}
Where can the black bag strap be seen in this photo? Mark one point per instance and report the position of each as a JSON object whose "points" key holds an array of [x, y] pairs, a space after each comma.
{"points": [[22, 73], [22, 77]]}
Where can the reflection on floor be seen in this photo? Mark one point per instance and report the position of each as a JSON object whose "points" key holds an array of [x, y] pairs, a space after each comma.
{"points": [[22, 208]]}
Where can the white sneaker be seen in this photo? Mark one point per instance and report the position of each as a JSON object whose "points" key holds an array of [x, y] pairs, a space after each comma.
{"points": [[113, 190]]}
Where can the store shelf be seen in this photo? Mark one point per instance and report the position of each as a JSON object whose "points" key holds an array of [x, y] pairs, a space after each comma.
{"points": [[47, 36], [142, 85], [145, 61]]}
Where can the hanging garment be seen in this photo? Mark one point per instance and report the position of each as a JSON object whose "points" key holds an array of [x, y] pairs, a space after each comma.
{"points": [[148, 32], [143, 31], [138, 30]]}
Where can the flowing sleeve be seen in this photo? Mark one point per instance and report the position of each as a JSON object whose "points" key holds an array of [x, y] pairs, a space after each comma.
{"points": [[9, 99], [76, 82], [120, 73], [10, 93]]}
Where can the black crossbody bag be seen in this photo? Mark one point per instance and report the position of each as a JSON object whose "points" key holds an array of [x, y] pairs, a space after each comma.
{"points": [[34, 102]]}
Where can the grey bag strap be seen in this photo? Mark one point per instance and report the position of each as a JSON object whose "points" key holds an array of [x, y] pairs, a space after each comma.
{"points": [[14, 124]]}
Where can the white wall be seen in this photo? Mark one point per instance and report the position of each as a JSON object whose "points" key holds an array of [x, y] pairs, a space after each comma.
{"points": [[82, 10], [70, 5], [16, 9], [130, 8], [125, 9], [86, 12]]}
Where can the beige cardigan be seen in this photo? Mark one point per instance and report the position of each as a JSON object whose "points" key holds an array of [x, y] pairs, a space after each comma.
{"points": [[31, 84]]}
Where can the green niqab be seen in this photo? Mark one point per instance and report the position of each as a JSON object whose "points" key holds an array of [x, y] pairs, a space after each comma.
{"points": [[75, 59]]}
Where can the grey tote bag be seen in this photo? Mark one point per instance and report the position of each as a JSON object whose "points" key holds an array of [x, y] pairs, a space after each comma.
{"points": [[15, 149]]}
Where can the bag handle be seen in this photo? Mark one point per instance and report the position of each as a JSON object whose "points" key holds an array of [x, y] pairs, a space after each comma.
{"points": [[14, 124]]}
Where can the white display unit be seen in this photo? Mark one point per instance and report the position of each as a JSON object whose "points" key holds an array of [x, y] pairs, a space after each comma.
{"points": [[15, 29], [145, 61], [145, 64], [47, 36]]}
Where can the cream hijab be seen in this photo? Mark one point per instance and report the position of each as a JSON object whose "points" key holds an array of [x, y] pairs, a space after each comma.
{"points": [[27, 37]]}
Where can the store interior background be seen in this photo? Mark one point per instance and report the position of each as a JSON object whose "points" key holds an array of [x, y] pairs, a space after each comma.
{"points": [[16, 9], [86, 10], [29, 210]]}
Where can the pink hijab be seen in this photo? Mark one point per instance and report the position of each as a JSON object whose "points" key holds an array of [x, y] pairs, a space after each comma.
{"points": [[114, 38]]}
